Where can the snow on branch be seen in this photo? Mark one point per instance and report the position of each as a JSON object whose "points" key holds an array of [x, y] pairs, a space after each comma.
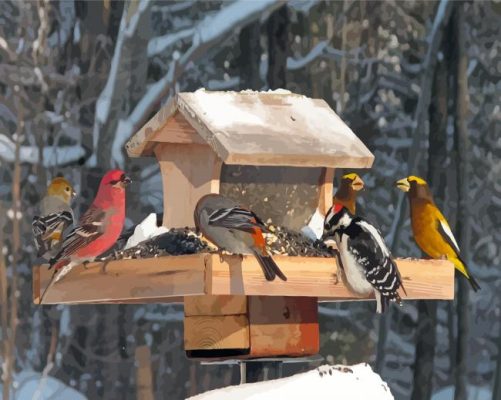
{"points": [[208, 33], [52, 156], [127, 30], [160, 44], [325, 382]]}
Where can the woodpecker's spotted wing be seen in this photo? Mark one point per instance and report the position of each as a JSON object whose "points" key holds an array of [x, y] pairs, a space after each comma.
{"points": [[367, 246]]}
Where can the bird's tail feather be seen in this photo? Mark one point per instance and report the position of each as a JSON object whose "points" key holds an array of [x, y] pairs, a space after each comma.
{"points": [[382, 303], [270, 268], [461, 267], [474, 284]]}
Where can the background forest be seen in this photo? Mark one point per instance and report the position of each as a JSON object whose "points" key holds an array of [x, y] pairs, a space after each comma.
{"points": [[418, 81]]}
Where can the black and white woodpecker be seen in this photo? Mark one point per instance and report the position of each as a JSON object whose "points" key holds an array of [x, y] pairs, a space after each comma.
{"points": [[364, 262]]}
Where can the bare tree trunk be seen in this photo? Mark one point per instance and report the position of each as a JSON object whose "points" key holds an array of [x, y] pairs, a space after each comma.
{"points": [[3, 300], [462, 146], [144, 380], [250, 56], [10, 353], [437, 155], [342, 77], [421, 117], [496, 390], [278, 33]]}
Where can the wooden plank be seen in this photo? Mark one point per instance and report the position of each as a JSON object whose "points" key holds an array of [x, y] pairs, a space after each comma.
{"points": [[168, 278], [283, 326], [177, 130], [188, 173], [128, 281], [212, 333], [215, 305], [139, 144], [326, 185], [311, 276]]}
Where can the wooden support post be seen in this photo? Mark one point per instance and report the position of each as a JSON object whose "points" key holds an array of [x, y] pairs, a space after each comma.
{"points": [[188, 173], [250, 326], [326, 186]]}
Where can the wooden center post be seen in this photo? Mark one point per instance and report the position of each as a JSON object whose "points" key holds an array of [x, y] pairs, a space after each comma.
{"points": [[250, 326]]}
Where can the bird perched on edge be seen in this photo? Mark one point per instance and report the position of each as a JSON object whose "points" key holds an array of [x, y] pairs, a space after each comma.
{"points": [[430, 229], [98, 228], [55, 216], [235, 229], [346, 195], [364, 261]]}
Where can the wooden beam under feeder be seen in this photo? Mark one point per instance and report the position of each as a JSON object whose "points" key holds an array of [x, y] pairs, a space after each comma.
{"points": [[275, 152]]}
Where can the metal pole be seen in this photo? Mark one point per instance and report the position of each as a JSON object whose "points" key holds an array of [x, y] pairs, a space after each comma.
{"points": [[243, 372]]}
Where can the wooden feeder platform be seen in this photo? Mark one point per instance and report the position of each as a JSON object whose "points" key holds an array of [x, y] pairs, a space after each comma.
{"points": [[230, 309], [276, 152]]}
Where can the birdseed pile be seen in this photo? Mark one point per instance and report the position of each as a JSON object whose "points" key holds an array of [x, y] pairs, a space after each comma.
{"points": [[179, 241]]}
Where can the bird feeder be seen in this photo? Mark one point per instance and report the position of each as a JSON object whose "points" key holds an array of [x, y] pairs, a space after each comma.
{"points": [[275, 152]]}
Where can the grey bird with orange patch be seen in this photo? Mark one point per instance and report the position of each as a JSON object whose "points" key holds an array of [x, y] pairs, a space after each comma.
{"points": [[235, 229]]}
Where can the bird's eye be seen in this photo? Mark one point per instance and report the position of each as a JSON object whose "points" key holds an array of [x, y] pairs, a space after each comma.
{"points": [[67, 189]]}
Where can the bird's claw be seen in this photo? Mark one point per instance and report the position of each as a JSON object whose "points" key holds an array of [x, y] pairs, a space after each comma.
{"points": [[85, 263], [103, 267], [222, 253]]}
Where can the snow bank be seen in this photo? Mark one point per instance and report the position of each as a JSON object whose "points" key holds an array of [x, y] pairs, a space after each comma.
{"points": [[31, 385], [326, 382]]}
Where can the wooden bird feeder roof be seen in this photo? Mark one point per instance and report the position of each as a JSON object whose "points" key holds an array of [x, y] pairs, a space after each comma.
{"points": [[275, 128]]}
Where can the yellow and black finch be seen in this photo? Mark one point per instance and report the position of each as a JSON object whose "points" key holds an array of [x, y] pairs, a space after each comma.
{"points": [[431, 231]]}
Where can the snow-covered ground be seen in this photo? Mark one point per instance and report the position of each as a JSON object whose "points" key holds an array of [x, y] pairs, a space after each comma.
{"points": [[358, 382], [474, 393], [30, 385]]}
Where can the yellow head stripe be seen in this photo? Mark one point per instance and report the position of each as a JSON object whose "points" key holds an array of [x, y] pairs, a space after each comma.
{"points": [[352, 176], [417, 179]]}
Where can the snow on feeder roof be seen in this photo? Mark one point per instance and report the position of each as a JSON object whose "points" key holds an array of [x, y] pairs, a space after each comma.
{"points": [[256, 128]]}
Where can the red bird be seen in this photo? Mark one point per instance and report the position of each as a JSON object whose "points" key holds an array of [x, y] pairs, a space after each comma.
{"points": [[98, 229]]}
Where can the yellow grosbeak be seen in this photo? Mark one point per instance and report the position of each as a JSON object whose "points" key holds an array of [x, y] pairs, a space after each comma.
{"points": [[431, 231], [346, 194]]}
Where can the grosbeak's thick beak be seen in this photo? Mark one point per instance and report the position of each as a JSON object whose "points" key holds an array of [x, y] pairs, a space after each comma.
{"points": [[357, 184], [125, 180], [403, 185], [73, 194]]}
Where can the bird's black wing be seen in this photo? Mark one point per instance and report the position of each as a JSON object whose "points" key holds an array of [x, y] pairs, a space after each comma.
{"points": [[236, 218], [44, 227], [90, 228], [368, 247]]}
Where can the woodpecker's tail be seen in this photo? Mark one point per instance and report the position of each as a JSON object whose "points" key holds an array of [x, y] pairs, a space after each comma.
{"points": [[270, 268]]}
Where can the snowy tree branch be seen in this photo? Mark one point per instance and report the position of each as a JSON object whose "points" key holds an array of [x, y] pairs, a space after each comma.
{"points": [[209, 32], [160, 44], [52, 156], [128, 27]]}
